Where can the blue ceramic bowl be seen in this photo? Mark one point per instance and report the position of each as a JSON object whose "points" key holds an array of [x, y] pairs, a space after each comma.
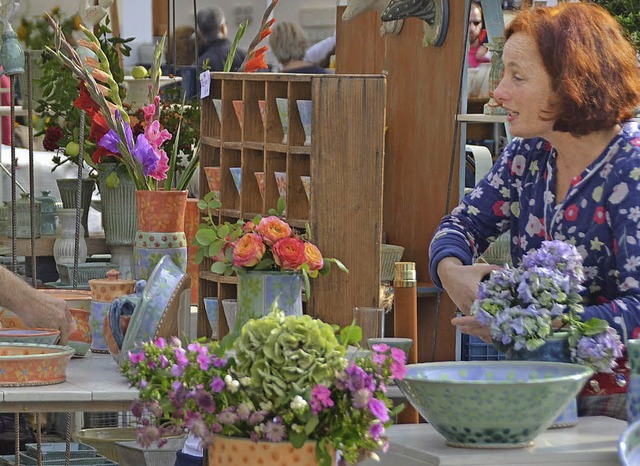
{"points": [[629, 445], [492, 404]]}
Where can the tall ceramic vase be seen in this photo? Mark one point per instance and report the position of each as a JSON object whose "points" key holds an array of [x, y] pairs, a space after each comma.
{"points": [[65, 244], [67, 188], [633, 389], [555, 349], [257, 292], [160, 230], [118, 217]]}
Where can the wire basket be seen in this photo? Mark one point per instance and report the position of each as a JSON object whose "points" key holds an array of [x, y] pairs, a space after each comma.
{"points": [[498, 252], [389, 255]]}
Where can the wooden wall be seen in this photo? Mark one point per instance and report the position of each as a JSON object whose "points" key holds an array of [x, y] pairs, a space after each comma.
{"points": [[422, 99]]}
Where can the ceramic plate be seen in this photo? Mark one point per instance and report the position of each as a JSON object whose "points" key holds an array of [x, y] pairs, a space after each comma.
{"points": [[25, 364]]}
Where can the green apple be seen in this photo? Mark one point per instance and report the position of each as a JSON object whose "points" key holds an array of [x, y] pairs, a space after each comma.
{"points": [[139, 72], [72, 149]]}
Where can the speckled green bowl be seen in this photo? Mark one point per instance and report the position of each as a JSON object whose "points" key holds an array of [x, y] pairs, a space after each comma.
{"points": [[492, 404]]}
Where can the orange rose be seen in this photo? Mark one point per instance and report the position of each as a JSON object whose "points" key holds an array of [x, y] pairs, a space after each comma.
{"points": [[289, 254], [273, 229], [314, 256], [248, 250]]}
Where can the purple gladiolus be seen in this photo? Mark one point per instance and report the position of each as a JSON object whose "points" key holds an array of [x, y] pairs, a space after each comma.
{"points": [[376, 430]]}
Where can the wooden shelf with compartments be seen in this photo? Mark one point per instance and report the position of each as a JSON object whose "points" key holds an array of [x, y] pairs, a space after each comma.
{"points": [[344, 161]]}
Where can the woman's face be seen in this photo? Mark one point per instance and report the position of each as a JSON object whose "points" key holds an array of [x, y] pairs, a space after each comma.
{"points": [[525, 89]]}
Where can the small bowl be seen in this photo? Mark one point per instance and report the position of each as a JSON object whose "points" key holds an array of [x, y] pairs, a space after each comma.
{"points": [[260, 181], [306, 184], [236, 173], [26, 364], [281, 182], [213, 178], [629, 445], [492, 404], [40, 336], [211, 308]]}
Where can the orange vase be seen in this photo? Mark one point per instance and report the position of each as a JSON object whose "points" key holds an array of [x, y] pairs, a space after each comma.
{"points": [[232, 451], [191, 223], [160, 230]]}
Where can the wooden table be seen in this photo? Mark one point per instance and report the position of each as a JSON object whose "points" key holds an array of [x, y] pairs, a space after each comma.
{"points": [[93, 384], [593, 441], [44, 245]]}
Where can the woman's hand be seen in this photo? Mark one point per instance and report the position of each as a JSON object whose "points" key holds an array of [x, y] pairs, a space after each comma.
{"points": [[461, 281], [471, 326]]}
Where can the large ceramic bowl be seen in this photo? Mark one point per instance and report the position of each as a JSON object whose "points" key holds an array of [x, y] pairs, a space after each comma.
{"points": [[629, 445], [42, 336], [25, 364], [492, 404]]}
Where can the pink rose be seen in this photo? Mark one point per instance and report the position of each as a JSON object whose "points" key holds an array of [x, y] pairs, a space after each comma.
{"points": [[289, 253], [314, 256], [273, 229], [248, 250]]}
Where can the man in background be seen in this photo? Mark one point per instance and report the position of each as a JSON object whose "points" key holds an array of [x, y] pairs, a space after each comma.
{"points": [[213, 44]]}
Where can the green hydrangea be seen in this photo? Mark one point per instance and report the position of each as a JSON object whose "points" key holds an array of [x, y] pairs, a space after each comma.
{"points": [[284, 356]]}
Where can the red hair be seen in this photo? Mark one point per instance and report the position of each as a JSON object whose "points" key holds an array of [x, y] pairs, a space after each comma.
{"points": [[593, 67]]}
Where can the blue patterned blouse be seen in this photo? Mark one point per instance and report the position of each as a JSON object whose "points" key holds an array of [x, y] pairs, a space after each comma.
{"points": [[600, 216]]}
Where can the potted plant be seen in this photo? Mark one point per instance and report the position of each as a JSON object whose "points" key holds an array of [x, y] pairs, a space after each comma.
{"points": [[268, 255], [287, 381]]}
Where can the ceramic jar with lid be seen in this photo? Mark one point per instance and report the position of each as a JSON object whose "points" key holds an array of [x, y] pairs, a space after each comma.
{"points": [[47, 213], [23, 217], [103, 292]]}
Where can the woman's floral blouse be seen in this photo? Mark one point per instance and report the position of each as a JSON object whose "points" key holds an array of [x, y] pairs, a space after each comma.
{"points": [[600, 216]]}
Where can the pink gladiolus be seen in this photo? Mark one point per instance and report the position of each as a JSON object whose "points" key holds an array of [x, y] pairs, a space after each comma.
{"points": [[155, 135]]}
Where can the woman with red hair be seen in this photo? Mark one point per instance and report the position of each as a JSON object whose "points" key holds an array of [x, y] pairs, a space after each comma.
{"points": [[571, 86]]}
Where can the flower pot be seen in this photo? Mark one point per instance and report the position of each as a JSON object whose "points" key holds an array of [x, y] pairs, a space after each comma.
{"points": [[160, 216], [555, 349], [258, 291], [67, 188], [228, 451]]}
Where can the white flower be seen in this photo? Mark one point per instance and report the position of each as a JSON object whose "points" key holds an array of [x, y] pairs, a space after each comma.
{"points": [[298, 403], [245, 381], [632, 263], [232, 385]]}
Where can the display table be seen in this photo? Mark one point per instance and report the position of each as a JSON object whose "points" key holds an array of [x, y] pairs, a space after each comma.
{"points": [[44, 245], [93, 384], [593, 441]]}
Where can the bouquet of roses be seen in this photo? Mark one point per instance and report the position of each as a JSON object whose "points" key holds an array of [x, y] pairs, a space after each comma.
{"points": [[524, 306]]}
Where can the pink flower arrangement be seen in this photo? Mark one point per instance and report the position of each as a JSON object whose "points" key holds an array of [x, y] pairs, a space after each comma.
{"points": [[264, 243]]}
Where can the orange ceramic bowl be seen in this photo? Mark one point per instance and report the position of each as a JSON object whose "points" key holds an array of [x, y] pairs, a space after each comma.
{"points": [[74, 298], [26, 364]]}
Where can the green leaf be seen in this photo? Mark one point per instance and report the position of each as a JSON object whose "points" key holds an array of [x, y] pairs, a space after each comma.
{"points": [[199, 255], [594, 326], [311, 425], [218, 267], [350, 335], [112, 180], [205, 236], [234, 45], [281, 206], [297, 439]]}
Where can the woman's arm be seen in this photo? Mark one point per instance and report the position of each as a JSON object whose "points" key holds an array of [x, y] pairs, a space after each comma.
{"points": [[35, 308]]}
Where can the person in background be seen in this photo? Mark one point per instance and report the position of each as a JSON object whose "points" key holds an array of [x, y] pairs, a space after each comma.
{"points": [[320, 52], [213, 44], [289, 43], [571, 173], [478, 51]]}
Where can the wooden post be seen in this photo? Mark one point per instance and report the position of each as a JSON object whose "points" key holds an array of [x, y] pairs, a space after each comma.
{"points": [[405, 305]]}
